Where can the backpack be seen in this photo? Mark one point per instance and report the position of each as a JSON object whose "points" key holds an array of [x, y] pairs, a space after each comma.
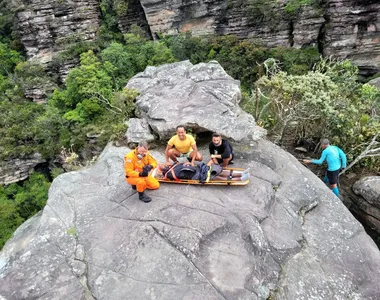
{"points": [[203, 173]]}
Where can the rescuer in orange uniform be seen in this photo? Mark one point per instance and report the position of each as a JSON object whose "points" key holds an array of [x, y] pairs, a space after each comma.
{"points": [[137, 165]]}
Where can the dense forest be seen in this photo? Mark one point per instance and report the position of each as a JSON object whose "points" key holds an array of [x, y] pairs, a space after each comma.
{"points": [[281, 86]]}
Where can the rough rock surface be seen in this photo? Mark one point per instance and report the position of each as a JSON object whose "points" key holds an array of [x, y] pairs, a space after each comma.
{"points": [[375, 82], [18, 169], [285, 235], [138, 129], [48, 26], [342, 28], [203, 97], [134, 15], [368, 206], [353, 31]]}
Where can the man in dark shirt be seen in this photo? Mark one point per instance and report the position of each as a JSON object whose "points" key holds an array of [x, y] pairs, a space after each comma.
{"points": [[220, 151]]}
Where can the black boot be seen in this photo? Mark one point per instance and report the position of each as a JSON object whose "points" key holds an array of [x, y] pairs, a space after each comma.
{"points": [[133, 187], [144, 197]]}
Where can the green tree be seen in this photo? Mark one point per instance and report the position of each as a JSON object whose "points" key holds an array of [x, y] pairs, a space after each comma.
{"points": [[20, 202]]}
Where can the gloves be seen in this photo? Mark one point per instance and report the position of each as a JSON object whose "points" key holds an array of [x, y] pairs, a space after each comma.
{"points": [[145, 171], [148, 168]]}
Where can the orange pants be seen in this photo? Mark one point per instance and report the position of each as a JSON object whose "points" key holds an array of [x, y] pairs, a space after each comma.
{"points": [[143, 183]]}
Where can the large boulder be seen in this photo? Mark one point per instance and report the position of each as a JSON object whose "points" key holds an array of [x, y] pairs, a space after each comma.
{"points": [[203, 97], [284, 236], [368, 205]]}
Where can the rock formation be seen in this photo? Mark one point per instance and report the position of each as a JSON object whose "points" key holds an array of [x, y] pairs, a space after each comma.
{"points": [[47, 27], [367, 206], [342, 28], [18, 169], [202, 97], [285, 235]]}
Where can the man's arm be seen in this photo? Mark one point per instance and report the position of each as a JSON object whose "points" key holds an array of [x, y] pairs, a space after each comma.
{"points": [[317, 162], [152, 161], [343, 157], [167, 154], [129, 168], [195, 151], [227, 150], [321, 160]]}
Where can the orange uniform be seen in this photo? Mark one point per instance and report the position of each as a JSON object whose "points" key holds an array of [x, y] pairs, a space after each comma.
{"points": [[133, 166]]}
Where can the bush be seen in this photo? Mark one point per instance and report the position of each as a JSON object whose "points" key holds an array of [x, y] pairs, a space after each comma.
{"points": [[18, 202]]}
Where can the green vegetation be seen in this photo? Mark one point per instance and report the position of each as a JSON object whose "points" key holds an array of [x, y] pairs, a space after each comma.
{"points": [[280, 86], [327, 101], [18, 202]]}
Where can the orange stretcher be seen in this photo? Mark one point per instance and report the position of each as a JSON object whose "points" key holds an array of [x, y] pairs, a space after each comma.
{"points": [[210, 182]]}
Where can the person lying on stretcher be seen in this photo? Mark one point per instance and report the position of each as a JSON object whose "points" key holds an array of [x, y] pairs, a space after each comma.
{"points": [[201, 172]]}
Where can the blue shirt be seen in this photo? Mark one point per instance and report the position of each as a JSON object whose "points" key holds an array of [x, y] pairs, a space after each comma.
{"points": [[335, 158]]}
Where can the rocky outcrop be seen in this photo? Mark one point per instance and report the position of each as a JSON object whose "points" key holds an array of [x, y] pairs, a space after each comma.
{"points": [[46, 27], [134, 16], [353, 31], [367, 207], [375, 82], [202, 97], [138, 129], [18, 169], [341, 28], [283, 236]]}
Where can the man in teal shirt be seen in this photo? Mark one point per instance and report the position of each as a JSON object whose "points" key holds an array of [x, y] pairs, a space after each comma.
{"points": [[336, 160]]}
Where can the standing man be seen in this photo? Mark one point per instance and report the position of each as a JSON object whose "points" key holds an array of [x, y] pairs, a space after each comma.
{"points": [[336, 160], [137, 165], [182, 145], [220, 151]]}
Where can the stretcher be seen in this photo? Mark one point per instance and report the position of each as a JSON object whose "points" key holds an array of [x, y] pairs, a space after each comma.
{"points": [[197, 182]]}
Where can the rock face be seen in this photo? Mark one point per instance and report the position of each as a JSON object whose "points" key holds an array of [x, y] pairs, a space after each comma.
{"points": [[285, 235], [138, 129], [18, 169], [46, 27], [368, 206], [342, 28], [358, 38], [203, 97]]}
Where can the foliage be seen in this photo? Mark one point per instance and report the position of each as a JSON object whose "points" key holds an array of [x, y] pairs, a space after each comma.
{"points": [[19, 202], [8, 59], [18, 129], [326, 102], [240, 59]]}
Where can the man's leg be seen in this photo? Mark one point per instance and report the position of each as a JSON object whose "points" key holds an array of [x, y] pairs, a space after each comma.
{"points": [[226, 161], [152, 183], [173, 154], [198, 157], [333, 180], [141, 185]]}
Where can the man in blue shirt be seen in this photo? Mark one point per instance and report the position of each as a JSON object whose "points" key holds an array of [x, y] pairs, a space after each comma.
{"points": [[336, 160]]}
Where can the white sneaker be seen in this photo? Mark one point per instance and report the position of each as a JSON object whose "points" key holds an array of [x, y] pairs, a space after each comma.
{"points": [[246, 171], [245, 177]]}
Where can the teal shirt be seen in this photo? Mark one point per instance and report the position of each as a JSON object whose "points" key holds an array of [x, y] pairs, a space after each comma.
{"points": [[334, 156]]}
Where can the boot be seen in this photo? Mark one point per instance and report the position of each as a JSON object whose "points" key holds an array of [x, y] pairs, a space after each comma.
{"points": [[133, 187], [144, 197]]}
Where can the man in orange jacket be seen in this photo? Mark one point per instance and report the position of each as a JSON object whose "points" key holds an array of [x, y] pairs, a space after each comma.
{"points": [[137, 165]]}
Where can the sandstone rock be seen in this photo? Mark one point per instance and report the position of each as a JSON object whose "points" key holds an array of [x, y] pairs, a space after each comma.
{"points": [[46, 27], [138, 129], [375, 82], [202, 97], [368, 206], [18, 169], [352, 31], [285, 235]]}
